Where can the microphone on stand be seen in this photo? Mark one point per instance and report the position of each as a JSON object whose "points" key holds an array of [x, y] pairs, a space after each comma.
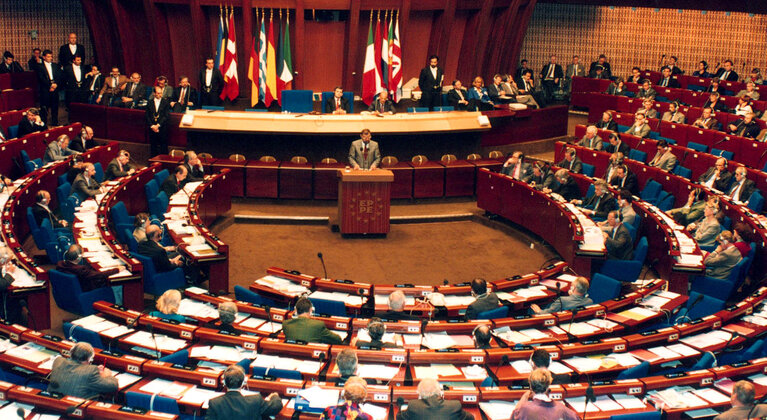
{"points": [[322, 260], [494, 373], [590, 397], [154, 339], [732, 337], [570, 336], [559, 294], [686, 314], [21, 413]]}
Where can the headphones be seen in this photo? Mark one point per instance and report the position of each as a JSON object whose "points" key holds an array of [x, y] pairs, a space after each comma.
{"points": [[41, 198]]}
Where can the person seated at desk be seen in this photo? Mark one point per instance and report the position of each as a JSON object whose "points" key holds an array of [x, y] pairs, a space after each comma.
{"points": [[227, 313], [723, 259], [567, 186], [717, 176], [57, 150], [364, 153], [740, 239], [235, 406], [706, 120], [702, 70], [617, 88], [10, 310], [617, 145], [84, 141], [625, 179], [431, 404], [479, 99], [88, 277], [33, 123], [706, 229], [8, 65], [542, 178], [167, 306], [175, 182], [119, 166], [346, 361], [749, 91], [85, 185], [666, 80], [396, 308], [382, 104], [512, 90], [194, 169], [664, 158], [540, 359], [673, 114], [337, 104], [648, 109], [77, 377], [516, 167], [496, 93], [591, 140], [646, 91], [742, 187], [303, 328], [576, 297], [184, 96], [617, 239], [571, 162], [627, 214], [616, 161], [607, 123], [354, 393], [743, 107], [482, 336], [456, 97], [140, 223], [376, 330], [746, 127], [640, 128], [485, 301], [743, 403], [42, 211], [151, 248], [134, 94], [693, 208], [600, 203], [715, 103], [536, 404]]}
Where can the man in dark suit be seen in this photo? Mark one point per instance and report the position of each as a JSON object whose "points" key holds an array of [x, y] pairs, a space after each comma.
{"points": [[74, 82], [496, 93], [598, 204], [618, 238], [70, 50], [566, 187], [41, 211], [77, 377], [675, 70], [211, 83], [743, 187], [337, 104], [747, 127], [484, 301], [119, 167], [717, 176], [456, 97], [303, 328], [8, 65], [667, 81], [376, 330], [94, 81], [50, 78], [382, 105], [235, 406], [151, 248], [551, 74], [726, 73], [541, 177], [173, 183], [625, 180], [184, 96], [516, 167], [607, 123], [601, 62], [134, 94], [84, 141], [36, 60], [432, 405], [193, 165], [33, 123], [396, 306], [571, 162], [85, 185], [157, 114], [430, 83], [576, 298], [715, 102], [88, 277]]}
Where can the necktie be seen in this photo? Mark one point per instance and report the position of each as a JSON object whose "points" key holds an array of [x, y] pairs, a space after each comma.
{"points": [[182, 97], [114, 82], [93, 83], [338, 104], [551, 72], [132, 88], [365, 152], [736, 192], [615, 229], [575, 70], [665, 82], [725, 75], [623, 181]]}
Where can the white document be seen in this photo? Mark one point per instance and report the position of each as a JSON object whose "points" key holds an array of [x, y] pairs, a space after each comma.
{"points": [[605, 403], [497, 409], [377, 412], [628, 402], [124, 379], [579, 403]]}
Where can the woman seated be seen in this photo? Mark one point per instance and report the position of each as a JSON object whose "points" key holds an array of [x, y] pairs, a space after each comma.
{"points": [[707, 228], [702, 70], [617, 88], [167, 306], [744, 106], [354, 393]]}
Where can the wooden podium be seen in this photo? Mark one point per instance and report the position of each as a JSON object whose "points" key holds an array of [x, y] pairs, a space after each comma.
{"points": [[363, 201]]}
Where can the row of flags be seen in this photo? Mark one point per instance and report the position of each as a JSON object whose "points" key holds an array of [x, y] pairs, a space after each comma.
{"points": [[270, 66], [383, 57]]}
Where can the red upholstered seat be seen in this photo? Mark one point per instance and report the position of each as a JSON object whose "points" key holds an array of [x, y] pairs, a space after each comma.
{"points": [[296, 180], [16, 99], [674, 131], [265, 179], [126, 124], [701, 136]]}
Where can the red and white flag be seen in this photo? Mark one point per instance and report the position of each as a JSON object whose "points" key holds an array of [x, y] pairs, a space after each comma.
{"points": [[232, 88]]}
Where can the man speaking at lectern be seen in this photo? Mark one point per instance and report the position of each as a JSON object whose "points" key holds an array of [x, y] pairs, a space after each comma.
{"points": [[364, 153]]}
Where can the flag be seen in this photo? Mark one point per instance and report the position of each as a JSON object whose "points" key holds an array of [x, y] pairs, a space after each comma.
{"points": [[253, 66], [285, 71], [369, 70], [384, 55], [377, 55], [271, 71], [232, 86], [395, 66], [221, 42], [262, 62]]}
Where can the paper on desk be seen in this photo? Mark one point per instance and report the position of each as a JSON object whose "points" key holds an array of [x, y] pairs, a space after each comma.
{"points": [[124, 379], [664, 352], [191, 186], [584, 364], [628, 402], [376, 371], [522, 366], [155, 386], [88, 321], [712, 395], [436, 370], [497, 409], [604, 324], [637, 313], [319, 397], [6, 344], [225, 353], [474, 372], [579, 403], [378, 413], [363, 335], [437, 341], [9, 411], [197, 352], [193, 308], [683, 350], [21, 278], [199, 396], [605, 403], [32, 352], [760, 379], [117, 331], [530, 292], [534, 333], [282, 285], [558, 368]]}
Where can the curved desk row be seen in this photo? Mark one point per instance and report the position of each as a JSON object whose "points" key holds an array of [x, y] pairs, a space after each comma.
{"points": [[34, 144]]}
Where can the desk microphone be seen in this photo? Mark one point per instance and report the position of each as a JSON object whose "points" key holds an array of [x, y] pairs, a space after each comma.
{"points": [[154, 339], [322, 260], [400, 402], [445, 282], [732, 337], [21, 413], [504, 361], [686, 314], [590, 397], [559, 294], [724, 139], [72, 408], [423, 326], [570, 336]]}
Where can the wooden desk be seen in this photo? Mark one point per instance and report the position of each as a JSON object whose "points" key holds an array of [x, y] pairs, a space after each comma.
{"points": [[364, 198]]}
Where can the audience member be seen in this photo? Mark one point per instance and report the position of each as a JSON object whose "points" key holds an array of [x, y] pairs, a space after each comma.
{"points": [[743, 403], [607, 123], [77, 377], [750, 90], [88, 277], [536, 404], [743, 107], [70, 50], [705, 120], [233, 405], [715, 102], [42, 211], [133, 96], [571, 162], [665, 158], [715, 87], [523, 66], [575, 68], [693, 208], [675, 70], [640, 128], [482, 336], [720, 262], [8, 65], [551, 74], [194, 169], [516, 167], [484, 300], [119, 166], [702, 70], [303, 328], [227, 314], [617, 239], [94, 82], [648, 109], [364, 153], [57, 150], [457, 96], [755, 77], [742, 187], [526, 87], [151, 248], [167, 90], [706, 229], [432, 405], [396, 305], [598, 204], [376, 330], [540, 359], [576, 297], [646, 91], [496, 93], [85, 185], [346, 361], [112, 88], [354, 393], [746, 127], [10, 310], [479, 100], [50, 78], [726, 73], [184, 96], [604, 72], [617, 145], [627, 214], [625, 180], [430, 83], [541, 178], [673, 114], [140, 223], [636, 75], [382, 105], [84, 141], [666, 80], [174, 182], [211, 83], [36, 60], [167, 306], [617, 88], [591, 140], [616, 160], [740, 235], [512, 90], [566, 187], [157, 115], [717, 176]]}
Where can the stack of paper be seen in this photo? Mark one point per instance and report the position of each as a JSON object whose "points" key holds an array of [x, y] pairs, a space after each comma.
{"points": [[436, 370], [193, 308], [31, 352], [319, 397], [497, 410], [199, 396], [375, 371], [378, 413], [282, 285]]}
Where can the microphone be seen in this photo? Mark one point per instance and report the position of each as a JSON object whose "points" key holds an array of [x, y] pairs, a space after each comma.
{"points": [[21, 413], [73, 408], [445, 282], [732, 337], [559, 294], [494, 374], [686, 314], [590, 397], [400, 403], [322, 260], [154, 339], [570, 336], [724, 139], [423, 326]]}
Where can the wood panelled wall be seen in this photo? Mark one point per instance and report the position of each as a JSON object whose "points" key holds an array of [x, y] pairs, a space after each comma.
{"points": [[640, 36], [172, 37]]}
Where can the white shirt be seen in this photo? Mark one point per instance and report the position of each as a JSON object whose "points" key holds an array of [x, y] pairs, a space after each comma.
{"points": [[48, 69], [157, 104], [93, 83], [433, 72], [710, 182], [73, 48], [78, 72], [208, 76]]}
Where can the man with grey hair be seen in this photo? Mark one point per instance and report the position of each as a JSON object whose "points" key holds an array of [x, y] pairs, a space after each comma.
{"points": [[591, 139], [376, 330], [742, 401], [57, 150], [431, 404], [576, 297], [227, 313], [347, 365], [742, 187], [77, 377], [235, 406], [396, 308]]}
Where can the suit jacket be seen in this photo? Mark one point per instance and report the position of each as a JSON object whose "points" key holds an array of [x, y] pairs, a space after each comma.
{"points": [[157, 116], [309, 330], [573, 166], [78, 380], [13, 68], [158, 254], [732, 77], [676, 117], [54, 152], [330, 105], [189, 95], [722, 183], [720, 106], [99, 78], [558, 73], [41, 213], [85, 188], [106, 86], [494, 92], [26, 127], [647, 94], [170, 186], [139, 93], [606, 73], [610, 125], [628, 182], [623, 147], [619, 246], [66, 56], [216, 82], [525, 171], [88, 277], [397, 316], [70, 79], [571, 71], [387, 106], [665, 161], [485, 302], [643, 131], [740, 413], [453, 97], [649, 113], [594, 143], [750, 130], [706, 231], [114, 171], [76, 144], [357, 154], [45, 80], [671, 83], [235, 406], [546, 180], [428, 83], [612, 89], [566, 303], [719, 265], [745, 191], [600, 205], [705, 124], [568, 190], [193, 173], [434, 408]]}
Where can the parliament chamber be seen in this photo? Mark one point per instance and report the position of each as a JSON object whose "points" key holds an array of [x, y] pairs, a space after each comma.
{"points": [[661, 336]]}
